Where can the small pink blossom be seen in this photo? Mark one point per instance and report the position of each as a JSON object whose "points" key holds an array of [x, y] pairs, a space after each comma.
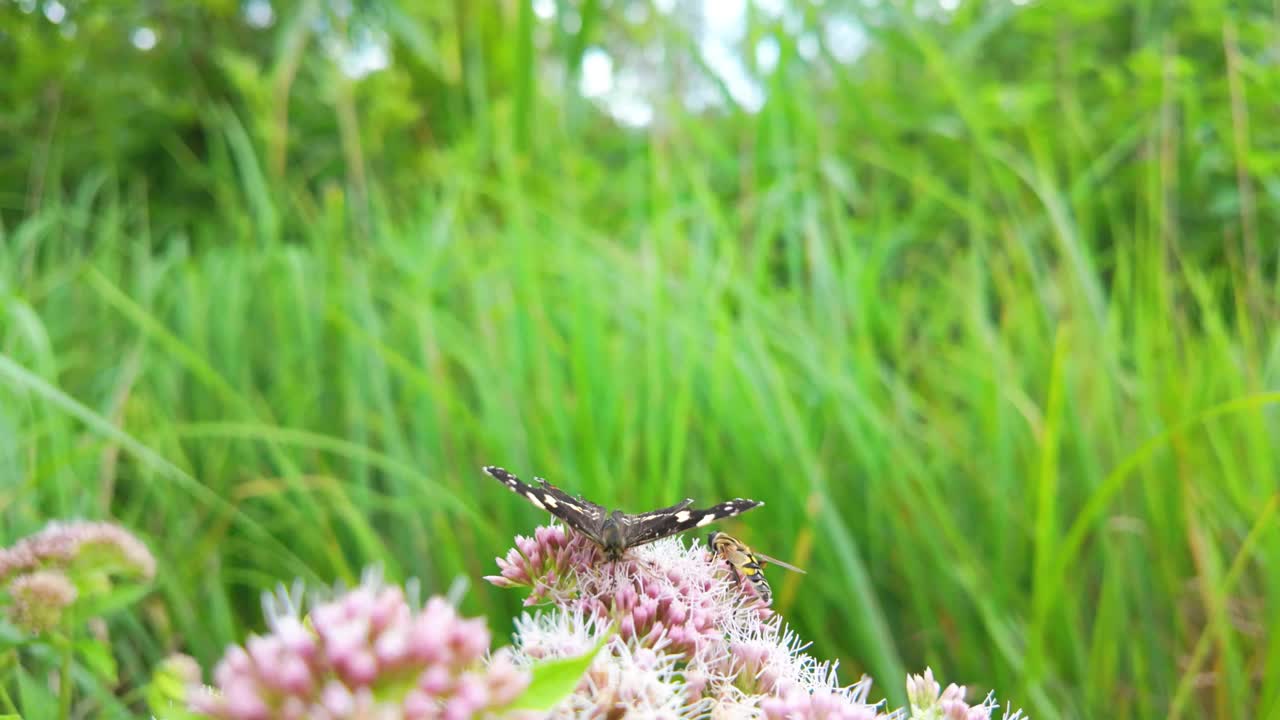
{"points": [[181, 667], [628, 681], [928, 701], [39, 600], [557, 634]]}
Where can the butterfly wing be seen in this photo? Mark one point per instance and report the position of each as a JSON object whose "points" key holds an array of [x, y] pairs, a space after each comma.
{"points": [[660, 512], [579, 514], [657, 524]]}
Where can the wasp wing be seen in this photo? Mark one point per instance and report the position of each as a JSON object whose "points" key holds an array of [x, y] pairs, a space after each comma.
{"points": [[778, 562]]}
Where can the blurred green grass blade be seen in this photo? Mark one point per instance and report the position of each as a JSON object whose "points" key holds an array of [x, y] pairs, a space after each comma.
{"points": [[1262, 526], [869, 623], [1091, 513], [20, 378], [304, 439], [1045, 522]]}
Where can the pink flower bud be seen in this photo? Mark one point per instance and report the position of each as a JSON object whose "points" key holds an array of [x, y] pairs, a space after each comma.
{"points": [[39, 600]]}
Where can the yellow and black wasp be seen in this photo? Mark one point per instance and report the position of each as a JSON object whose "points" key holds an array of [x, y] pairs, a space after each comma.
{"points": [[744, 562]]}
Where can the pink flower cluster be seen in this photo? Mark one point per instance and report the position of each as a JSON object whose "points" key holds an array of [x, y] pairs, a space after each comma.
{"points": [[546, 563], [822, 704], [95, 546], [45, 573], [692, 642], [658, 593], [366, 654]]}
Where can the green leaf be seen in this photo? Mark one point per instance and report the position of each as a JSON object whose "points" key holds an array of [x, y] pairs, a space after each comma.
{"points": [[555, 680], [34, 697], [109, 600], [97, 657], [166, 698], [11, 636]]}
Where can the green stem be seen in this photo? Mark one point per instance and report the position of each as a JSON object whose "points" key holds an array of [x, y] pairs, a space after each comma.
{"points": [[64, 681], [5, 661]]}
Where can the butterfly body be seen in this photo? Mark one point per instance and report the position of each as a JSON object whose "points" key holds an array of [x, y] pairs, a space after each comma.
{"points": [[616, 532], [744, 562], [612, 535]]}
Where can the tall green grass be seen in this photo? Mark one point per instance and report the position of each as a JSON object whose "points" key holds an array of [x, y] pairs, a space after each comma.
{"points": [[1000, 380]]}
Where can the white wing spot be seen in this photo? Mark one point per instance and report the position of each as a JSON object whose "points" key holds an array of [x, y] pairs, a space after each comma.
{"points": [[551, 502], [536, 502], [682, 516], [706, 519]]}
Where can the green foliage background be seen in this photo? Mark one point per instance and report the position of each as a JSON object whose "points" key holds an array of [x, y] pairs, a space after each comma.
{"points": [[986, 317]]}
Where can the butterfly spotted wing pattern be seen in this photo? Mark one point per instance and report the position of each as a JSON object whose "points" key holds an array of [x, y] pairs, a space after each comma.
{"points": [[582, 515], [657, 524], [617, 532], [743, 562]]}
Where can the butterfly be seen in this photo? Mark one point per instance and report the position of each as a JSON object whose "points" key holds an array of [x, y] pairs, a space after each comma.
{"points": [[617, 532], [742, 561]]}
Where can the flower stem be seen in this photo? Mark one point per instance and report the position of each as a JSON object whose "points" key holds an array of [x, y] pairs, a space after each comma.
{"points": [[64, 680], [5, 662]]}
